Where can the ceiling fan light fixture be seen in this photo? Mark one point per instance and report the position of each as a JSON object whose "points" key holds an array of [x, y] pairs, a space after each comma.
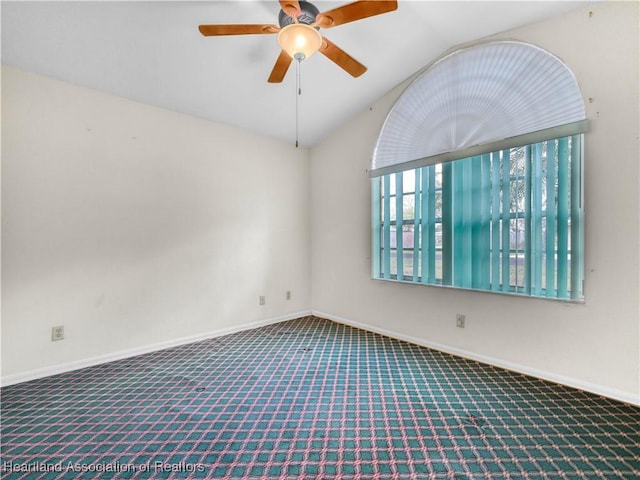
{"points": [[299, 40]]}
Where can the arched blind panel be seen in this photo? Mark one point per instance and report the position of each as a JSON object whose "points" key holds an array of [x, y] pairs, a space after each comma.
{"points": [[479, 99]]}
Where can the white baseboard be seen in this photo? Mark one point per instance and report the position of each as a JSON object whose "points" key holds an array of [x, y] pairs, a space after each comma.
{"points": [[119, 355], [619, 395]]}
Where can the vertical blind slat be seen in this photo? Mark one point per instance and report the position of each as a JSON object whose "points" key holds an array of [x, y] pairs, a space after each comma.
{"points": [[495, 221], [577, 240], [506, 220], [417, 214], [474, 195], [387, 226], [376, 251], [536, 217], [527, 220], [485, 222], [447, 224], [424, 224], [399, 227], [551, 219], [563, 216], [431, 239]]}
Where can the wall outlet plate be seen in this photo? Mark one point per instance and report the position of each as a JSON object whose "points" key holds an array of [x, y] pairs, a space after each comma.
{"points": [[460, 320], [262, 300], [57, 333]]}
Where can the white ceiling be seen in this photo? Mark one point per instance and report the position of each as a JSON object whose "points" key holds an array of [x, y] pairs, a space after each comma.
{"points": [[152, 52]]}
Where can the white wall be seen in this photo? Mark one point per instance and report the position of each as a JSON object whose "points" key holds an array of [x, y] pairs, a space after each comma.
{"points": [[136, 227], [593, 345]]}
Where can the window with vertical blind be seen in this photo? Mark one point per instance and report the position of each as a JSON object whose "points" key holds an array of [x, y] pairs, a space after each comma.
{"points": [[477, 175], [506, 221]]}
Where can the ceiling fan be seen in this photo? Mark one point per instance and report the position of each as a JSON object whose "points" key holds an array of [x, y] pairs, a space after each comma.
{"points": [[298, 35]]}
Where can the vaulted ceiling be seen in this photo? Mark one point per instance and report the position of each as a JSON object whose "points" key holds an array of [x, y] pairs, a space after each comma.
{"points": [[152, 52]]}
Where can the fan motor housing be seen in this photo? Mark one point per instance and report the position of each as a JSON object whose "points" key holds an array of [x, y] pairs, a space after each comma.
{"points": [[308, 13]]}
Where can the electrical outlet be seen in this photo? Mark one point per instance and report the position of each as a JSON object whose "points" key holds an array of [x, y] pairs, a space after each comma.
{"points": [[262, 300], [460, 320], [288, 295], [57, 333]]}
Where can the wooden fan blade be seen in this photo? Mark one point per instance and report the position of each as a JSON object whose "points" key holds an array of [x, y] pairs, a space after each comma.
{"points": [[354, 11], [280, 68], [213, 30], [342, 58], [290, 7]]}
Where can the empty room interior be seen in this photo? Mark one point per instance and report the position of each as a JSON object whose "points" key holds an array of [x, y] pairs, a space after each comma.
{"points": [[410, 252]]}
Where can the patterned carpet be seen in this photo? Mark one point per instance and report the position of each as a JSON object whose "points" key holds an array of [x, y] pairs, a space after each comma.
{"points": [[311, 399]]}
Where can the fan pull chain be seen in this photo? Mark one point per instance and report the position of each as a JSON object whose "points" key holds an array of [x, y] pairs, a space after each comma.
{"points": [[298, 93]]}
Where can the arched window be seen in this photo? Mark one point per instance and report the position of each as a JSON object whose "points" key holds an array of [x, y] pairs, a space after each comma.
{"points": [[477, 175]]}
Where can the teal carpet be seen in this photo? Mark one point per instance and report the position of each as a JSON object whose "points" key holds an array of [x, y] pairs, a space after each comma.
{"points": [[311, 399]]}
